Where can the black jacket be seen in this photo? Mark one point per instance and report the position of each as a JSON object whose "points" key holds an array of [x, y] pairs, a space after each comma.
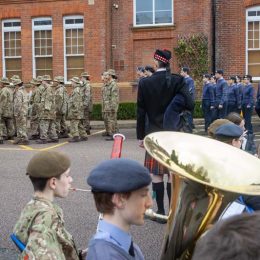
{"points": [[153, 98]]}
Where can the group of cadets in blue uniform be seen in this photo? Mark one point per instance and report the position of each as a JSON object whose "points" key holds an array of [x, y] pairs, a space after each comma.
{"points": [[221, 97]]}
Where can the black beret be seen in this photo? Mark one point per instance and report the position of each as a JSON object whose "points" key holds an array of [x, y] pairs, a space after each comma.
{"points": [[221, 72], [229, 130], [162, 55], [118, 175], [48, 164]]}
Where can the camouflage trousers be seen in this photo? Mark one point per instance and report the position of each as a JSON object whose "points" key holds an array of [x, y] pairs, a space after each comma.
{"points": [[47, 128], [110, 122], [7, 127], [21, 127], [87, 118], [77, 128], [34, 125], [60, 124]]}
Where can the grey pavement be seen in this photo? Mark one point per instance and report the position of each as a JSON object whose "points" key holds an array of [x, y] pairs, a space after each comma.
{"points": [[79, 210]]}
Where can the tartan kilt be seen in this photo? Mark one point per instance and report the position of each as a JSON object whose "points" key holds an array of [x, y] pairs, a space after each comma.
{"points": [[154, 166]]}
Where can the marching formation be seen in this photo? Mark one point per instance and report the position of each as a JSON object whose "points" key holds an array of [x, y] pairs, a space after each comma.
{"points": [[54, 112]]}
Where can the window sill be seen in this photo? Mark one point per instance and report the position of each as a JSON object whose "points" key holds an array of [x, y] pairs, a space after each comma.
{"points": [[152, 27]]}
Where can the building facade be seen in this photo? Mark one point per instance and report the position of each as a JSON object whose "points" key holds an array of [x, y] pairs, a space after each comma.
{"points": [[66, 37]]}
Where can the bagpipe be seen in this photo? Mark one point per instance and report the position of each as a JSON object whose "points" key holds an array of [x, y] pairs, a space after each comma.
{"points": [[116, 153]]}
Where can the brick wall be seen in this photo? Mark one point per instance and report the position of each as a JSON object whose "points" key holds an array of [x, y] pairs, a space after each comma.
{"points": [[110, 38], [231, 35]]}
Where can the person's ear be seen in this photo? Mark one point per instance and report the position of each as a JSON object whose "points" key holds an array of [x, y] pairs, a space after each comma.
{"points": [[118, 200], [52, 183]]}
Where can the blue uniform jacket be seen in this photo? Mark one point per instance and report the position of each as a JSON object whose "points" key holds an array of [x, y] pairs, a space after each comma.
{"points": [[233, 95], [208, 94], [248, 95], [221, 92], [191, 86]]}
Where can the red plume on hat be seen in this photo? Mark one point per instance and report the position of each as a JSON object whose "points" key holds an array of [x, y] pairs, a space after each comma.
{"points": [[163, 55]]}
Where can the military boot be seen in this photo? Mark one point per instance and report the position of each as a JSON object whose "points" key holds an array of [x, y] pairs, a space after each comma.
{"points": [[24, 142], [83, 138], [54, 140], [41, 141], [74, 139], [105, 134], [109, 138]]}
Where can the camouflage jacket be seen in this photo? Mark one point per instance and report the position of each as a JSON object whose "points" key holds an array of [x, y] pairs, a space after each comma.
{"points": [[110, 97], [6, 102], [61, 100], [35, 99], [47, 107], [20, 102], [41, 228], [87, 95], [75, 105]]}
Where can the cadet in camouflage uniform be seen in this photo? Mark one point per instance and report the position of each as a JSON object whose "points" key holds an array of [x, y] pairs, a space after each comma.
{"points": [[110, 102], [2, 126], [20, 112], [47, 111], [87, 100], [35, 100], [7, 109], [76, 113], [41, 225], [61, 102]]}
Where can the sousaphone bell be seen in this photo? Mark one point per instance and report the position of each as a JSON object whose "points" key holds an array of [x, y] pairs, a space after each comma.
{"points": [[207, 176]]}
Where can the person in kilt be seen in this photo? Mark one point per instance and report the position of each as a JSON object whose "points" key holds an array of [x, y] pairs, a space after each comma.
{"points": [[155, 93]]}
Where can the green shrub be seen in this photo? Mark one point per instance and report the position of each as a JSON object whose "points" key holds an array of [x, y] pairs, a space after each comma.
{"points": [[127, 111]]}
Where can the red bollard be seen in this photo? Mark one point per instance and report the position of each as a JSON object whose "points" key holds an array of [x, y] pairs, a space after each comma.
{"points": [[117, 146]]}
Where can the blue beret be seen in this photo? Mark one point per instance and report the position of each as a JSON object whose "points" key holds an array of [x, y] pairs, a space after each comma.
{"points": [[229, 130], [118, 175]]}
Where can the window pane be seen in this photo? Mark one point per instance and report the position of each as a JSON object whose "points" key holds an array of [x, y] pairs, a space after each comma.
{"points": [[68, 50], [256, 26], [254, 57], [251, 13], [80, 50], [37, 51], [13, 64], [250, 35], [163, 5], [250, 26], [18, 52], [68, 33], [144, 5], [256, 44], [253, 70], [144, 18], [75, 62], [74, 41], [256, 34], [43, 66], [250, 44], [163, 17]]}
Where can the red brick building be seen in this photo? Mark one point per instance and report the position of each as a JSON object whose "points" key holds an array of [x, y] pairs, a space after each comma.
{"points": [[66, 37]]}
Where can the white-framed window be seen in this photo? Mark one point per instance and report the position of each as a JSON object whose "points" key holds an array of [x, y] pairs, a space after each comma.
{"points": [[11, 46], [253, 42], [42, 46], [153, 12], [73, 46]]}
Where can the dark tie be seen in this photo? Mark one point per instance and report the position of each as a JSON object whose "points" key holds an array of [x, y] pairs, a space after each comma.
{"points": [[131, 249]]}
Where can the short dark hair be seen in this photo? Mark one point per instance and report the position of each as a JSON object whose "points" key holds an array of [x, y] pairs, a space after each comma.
{"points": [[103, 201], [162, 64], [234, 238], [149, 68], [207, 76], [185, 69], [140, 68], [39, 184], [235, 118]]}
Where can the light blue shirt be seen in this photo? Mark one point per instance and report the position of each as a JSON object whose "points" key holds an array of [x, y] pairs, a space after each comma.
{"points": [[112, 233], [116, 236]]}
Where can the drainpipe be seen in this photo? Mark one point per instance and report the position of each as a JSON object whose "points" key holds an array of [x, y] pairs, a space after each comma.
{"points": [[214, 35]]}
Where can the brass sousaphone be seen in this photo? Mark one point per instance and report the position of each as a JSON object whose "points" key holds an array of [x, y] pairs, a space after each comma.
{"points": [[207, 176]]}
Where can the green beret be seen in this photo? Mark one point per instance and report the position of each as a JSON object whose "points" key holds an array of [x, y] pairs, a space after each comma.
{"points": [[48, 164]]}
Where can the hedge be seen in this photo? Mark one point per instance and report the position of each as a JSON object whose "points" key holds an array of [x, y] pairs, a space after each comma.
{"points": [[127, 111]]}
